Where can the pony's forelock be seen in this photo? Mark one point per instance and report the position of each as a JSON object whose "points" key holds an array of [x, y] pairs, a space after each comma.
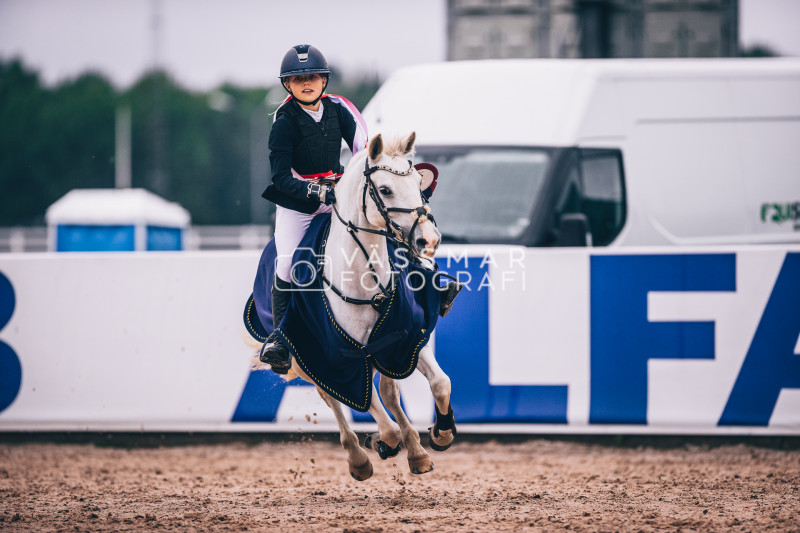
{"points": [[396, 147]]}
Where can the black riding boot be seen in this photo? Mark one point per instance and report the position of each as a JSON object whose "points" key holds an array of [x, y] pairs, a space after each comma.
{"points": [[449, 293], [274, 352]]}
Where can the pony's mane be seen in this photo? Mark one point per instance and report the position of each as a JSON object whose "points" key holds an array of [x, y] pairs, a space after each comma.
{"points": [[359, 156]]}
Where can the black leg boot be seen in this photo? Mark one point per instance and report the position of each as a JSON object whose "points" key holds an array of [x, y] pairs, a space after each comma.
{"points": [[274, 352], [449, 293]]}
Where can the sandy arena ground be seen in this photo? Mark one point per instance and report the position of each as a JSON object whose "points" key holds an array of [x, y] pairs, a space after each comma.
{"points": [[534, 485]]}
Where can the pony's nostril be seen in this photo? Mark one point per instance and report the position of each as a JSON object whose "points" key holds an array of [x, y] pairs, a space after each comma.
{"points": [[422, 243]]}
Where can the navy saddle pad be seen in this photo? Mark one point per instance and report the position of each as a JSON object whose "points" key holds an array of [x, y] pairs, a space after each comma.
{"points": [[336, 362]]}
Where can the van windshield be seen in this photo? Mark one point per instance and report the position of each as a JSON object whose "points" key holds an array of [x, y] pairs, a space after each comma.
{"points": [[485, 194]]}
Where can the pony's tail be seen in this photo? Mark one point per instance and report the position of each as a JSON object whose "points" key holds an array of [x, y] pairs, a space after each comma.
{"points": [[256, 364]]}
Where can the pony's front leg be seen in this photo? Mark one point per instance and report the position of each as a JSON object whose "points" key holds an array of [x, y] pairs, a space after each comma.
{"points": [[386, 442], [419, 462], [357, 459], [443, 431]]}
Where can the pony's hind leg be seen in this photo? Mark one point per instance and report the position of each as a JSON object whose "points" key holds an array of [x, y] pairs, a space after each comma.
{"points": [[443, 431], [357, 459], [419, 462], [386, 442]]}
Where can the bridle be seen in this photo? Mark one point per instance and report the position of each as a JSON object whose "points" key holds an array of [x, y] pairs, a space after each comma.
{"points": [[393, 232], [420, 214]]}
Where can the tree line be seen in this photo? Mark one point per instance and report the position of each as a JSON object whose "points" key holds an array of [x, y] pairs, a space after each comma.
{"points": [[204, 150]]}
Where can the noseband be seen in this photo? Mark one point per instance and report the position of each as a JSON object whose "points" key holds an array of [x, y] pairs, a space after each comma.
{"points": [[393, 230]]}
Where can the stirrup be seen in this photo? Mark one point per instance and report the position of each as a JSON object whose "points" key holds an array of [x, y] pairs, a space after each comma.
{"points": [[276, 354], [449, 293]]}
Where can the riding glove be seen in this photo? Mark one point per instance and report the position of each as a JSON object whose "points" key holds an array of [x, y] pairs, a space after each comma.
{"points": [[322, 193]]}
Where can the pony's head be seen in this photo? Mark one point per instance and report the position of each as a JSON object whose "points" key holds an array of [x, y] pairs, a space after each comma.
{"points": [[390, 197]]}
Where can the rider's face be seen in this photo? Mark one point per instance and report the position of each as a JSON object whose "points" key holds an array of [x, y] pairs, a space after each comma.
{"points": [[306, 88]]}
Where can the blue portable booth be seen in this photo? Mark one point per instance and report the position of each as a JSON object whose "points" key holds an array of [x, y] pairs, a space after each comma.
{"points": [[115, 220]]}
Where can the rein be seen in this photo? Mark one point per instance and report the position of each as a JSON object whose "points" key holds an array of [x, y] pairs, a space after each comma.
{"points": [[396, 235]]}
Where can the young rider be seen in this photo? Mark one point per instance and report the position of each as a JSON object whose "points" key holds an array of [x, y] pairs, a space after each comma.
{"points": [[304, 144]]}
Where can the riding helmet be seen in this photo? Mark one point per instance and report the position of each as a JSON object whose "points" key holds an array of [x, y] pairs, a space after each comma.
{"points": [[303, 59]]}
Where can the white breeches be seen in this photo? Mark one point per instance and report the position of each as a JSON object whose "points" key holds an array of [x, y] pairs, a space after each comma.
{"points": [[290, 226]]}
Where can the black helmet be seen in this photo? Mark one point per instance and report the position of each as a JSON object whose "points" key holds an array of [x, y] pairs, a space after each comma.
{"points": [[303, 59]]}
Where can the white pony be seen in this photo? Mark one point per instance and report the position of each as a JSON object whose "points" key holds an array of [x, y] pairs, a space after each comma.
{"points": [[379, 195]]}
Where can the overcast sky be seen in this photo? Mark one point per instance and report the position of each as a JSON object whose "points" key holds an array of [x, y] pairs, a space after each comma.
{"points": [[206, 42]]}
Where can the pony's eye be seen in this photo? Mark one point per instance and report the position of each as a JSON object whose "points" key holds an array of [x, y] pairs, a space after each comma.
{"points": [[386, 191]]}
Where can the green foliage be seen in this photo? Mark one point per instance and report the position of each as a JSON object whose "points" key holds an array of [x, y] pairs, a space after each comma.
{"points": [[194, 148], [205, 152], [759, 50], [51, 141]]}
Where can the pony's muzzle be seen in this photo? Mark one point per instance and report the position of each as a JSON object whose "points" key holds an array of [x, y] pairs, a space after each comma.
{"points": [[427, 241]]}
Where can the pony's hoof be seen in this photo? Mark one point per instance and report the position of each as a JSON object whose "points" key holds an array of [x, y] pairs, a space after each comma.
{"points": [[384, 450], [444, 431], [363, 472], [421, 465], [445, 439]]}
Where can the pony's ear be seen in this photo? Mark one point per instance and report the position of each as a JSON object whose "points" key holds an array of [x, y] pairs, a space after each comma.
{"points": [[409, 144], [375, 147]]}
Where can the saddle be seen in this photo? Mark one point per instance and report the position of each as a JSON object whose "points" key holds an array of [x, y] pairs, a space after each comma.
{"points": [[336, 362]]}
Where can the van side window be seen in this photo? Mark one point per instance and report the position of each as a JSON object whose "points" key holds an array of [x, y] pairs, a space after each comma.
{"points": [[594, 187], [603, 194]]}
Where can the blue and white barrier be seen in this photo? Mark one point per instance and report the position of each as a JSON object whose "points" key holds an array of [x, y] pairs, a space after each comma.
{"points": [[657, 340]]}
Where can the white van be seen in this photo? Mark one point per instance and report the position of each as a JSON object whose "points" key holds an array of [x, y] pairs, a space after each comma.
{"points": [[605, 152]]}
